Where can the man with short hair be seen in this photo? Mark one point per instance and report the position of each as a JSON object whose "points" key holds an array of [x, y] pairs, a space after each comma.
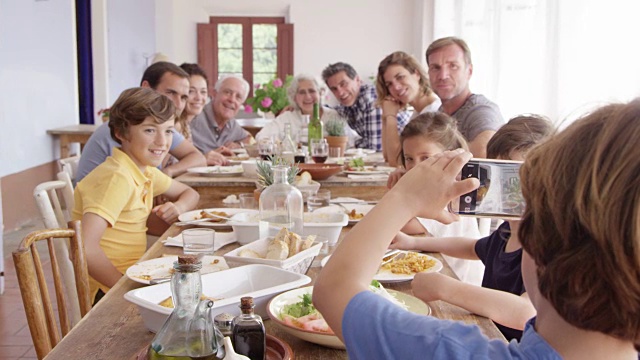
{"points": [[215, 130], [450, 68], [167, 79], [357, 105]]}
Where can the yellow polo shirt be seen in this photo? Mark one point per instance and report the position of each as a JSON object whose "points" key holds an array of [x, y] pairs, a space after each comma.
{"points": [[123, 195]]}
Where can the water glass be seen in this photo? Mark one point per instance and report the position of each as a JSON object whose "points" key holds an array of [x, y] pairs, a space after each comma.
{"points": [[248, 201], [198, 241], [266, 149], [320, 199], [319, 150]]}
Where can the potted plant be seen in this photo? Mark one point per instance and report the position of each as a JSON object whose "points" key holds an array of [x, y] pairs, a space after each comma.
{"points": [[336, 137], [269, 98], [265, 174]]}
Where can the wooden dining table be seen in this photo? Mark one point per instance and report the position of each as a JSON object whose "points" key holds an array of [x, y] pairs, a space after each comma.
{"points": [[114, 329], [213, 190], [79, 133]]}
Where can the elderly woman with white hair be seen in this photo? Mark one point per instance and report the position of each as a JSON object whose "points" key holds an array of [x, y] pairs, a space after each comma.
{"points": [[303, 92]]}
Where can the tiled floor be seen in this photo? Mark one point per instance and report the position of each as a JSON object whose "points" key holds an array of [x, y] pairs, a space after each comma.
{"points": [[15, 339]]}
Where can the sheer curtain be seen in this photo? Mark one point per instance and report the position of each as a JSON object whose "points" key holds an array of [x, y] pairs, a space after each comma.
{"points": [[557, 58]]}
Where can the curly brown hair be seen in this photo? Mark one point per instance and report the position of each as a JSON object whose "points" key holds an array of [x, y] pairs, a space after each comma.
{"points": [[581, 225], [408, 62]]}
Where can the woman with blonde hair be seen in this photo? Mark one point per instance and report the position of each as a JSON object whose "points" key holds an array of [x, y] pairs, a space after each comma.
{"points": [[401, 82]]}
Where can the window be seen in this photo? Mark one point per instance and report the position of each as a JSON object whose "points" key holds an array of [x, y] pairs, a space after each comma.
{"points": [[258, 48]]}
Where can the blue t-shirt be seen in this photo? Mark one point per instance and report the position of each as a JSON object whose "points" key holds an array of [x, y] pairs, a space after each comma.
{"points": [[100, 146], [375, 328], [502, 271]]}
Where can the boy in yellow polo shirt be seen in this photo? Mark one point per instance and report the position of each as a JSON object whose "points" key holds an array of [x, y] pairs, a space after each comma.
{"points": [[114, 200]]}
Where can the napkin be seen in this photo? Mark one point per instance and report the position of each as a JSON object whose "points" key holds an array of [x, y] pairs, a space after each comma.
{"points": [[340, 200], [368, 177], [222, 239]]}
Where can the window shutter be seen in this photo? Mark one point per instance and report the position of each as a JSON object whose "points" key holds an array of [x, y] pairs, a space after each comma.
{"points": [[285, 50], [207, 51]]}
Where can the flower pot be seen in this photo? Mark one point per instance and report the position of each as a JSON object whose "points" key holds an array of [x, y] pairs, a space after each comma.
{"points": [[256, 194], [338, 141]]}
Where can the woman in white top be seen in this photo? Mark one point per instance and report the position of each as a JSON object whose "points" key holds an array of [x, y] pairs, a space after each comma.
{"points": [[303, 92], [401, 82]]}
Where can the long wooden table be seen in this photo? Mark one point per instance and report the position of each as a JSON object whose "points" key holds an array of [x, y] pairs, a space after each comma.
{"points": [[213, 190], [72, 134], [114, 328]]}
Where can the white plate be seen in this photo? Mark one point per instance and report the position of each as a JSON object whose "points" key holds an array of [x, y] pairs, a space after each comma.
{"points": [[195, 215], [161, 267], [357, 151], [276, 305], [389, 277], [221, 239], [217, 171], [360, 209], [369, 170]]}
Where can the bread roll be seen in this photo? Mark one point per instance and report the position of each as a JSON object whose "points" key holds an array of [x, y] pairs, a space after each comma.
{"points": [[308, 242], [295, 244], [277, 250], [250, 254]]}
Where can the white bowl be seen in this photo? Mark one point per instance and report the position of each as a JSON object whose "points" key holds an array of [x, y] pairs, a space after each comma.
{"points": [[298, 263], [329, 225], [261, 282], [250, 168]]}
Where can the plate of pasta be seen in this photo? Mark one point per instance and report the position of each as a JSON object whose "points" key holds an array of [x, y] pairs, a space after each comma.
{"points": [[404, 266]]}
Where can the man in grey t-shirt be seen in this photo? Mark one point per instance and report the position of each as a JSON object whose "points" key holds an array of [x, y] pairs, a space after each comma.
{"points": [[450, 68], [215, 131]]}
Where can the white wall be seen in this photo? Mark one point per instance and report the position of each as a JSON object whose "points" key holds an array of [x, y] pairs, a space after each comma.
{"points": [[130, 37], [360, 32], [38, 80]]}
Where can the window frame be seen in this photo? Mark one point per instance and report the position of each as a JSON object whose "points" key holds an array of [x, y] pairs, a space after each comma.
{"points": [[208, 46]]}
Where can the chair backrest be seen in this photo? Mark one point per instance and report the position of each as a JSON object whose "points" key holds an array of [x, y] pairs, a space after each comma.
{"points": [[33, 286], [55, 202], [70, 166]]}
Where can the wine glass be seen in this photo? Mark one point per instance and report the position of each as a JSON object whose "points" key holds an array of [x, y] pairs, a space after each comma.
{"points": [[319, 150], [266, 149]]}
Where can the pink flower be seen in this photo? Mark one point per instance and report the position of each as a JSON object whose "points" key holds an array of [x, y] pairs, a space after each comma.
{"points": [[248, 109], [257, 86], [277, 83], [266, 102]]}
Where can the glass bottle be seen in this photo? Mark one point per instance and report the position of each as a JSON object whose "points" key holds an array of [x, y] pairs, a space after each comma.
{"points": [[315, 124], [248, 334], [189, 332], [280, 205], [288, 145], [304, 130]]}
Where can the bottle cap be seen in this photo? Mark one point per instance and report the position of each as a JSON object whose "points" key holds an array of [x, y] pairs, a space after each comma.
{"points": [[246, 302], [223, 322], [188, 259]]}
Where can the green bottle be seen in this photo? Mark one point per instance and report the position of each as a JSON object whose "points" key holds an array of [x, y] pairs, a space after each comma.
{"points": [[315, 125]]}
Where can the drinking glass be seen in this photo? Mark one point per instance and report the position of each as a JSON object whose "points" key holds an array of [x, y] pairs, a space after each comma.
{"points": [[320, 199], [266, 149], [248, 201], [198, 241], [319, 150]]}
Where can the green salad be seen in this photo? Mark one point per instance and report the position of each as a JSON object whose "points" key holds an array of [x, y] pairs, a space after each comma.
{"points": [[301, 308]]}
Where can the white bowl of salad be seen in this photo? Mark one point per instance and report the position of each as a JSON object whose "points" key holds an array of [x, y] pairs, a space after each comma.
{"points": [[294, 312]]}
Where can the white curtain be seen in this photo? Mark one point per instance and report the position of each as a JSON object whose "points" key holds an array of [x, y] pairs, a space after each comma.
{"points": [[558, 58]]}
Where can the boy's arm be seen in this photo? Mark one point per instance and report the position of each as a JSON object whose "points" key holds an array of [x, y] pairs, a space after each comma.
{"points": [[502, 307], [463, 248], [99, 266], [182, 198], [188, 156], [360, 252]]}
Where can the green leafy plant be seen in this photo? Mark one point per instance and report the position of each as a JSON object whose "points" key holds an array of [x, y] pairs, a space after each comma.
{"points": [[265, 173], [270, 97], [334, 127]]}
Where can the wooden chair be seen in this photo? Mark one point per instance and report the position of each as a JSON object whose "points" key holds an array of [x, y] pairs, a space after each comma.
{"points": [[34, 290], [70, 166], [55, 202]]}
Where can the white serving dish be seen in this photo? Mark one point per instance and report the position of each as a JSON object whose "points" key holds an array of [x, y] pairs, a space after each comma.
{"points": [[250, 168], [261, 282], [298, 263], [329, 225]]}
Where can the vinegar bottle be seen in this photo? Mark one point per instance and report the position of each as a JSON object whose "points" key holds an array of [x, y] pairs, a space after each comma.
{"points": [[248, 334]]}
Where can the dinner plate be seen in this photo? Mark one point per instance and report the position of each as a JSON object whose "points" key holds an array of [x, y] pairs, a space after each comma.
{"points": [[221, 239], [359, 151], [389, 277], [276, 305], [195, 215], [346, 208], [217, 171], [369, 170], [144, 271]]}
